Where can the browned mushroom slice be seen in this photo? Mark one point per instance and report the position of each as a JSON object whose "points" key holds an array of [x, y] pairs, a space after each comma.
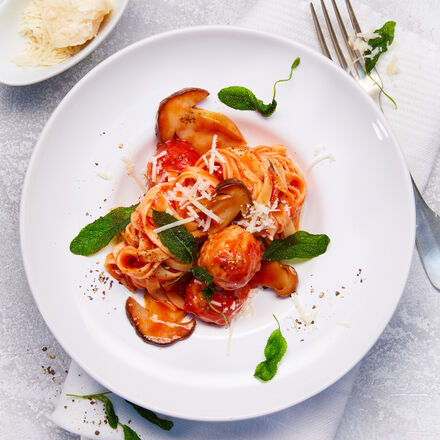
{"points": [[157, 323], [231, 196], [280, 277], [178, 117]]}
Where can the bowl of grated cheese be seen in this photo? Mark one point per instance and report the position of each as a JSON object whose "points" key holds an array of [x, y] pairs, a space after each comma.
{"points": [[42, 38]]}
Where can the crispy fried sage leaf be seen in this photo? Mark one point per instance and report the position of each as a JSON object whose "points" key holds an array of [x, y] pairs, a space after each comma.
{"points": [[98, 234], [301, 244], [152, 417], [129, 434], [208, 291], [241, 98], [386, 33], [112, 418], [275, 348], [178, 240]]}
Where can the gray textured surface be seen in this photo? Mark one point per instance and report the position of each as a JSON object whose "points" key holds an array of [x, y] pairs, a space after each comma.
{"points": [[397, 394]]}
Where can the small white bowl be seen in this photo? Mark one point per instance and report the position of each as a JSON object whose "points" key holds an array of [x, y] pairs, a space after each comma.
{"points": [[12, 44]]}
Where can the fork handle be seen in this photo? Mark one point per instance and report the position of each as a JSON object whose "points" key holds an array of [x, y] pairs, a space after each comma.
{"points": [[427, 237]]}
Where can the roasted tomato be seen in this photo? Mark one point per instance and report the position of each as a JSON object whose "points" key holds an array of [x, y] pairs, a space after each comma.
{"points": [[229, 302], [178, 156], [232, 256]]}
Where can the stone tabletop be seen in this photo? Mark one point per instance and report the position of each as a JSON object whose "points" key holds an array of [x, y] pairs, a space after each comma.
{"points": [[397, 393]]}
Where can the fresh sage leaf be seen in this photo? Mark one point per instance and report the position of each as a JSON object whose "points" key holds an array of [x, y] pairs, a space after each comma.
{"points": [[129, 434], [152, 417], [178, 240], [97, 396], [112, 418], [241, 98], [208, 291], [205, 277], [266, 371], [275, 348], [380, 43], [301, 244], [98, 234]]}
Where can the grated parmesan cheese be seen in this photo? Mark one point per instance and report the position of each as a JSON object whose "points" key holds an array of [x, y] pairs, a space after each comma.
{"points": [[38, 49], [212, 157], [73, 22], [359, 41], [130, 167], [174, 224], [190, 195], [230, 332], [55, 30], [257, 218], [214, 154], [308, 319], [206, 211], [318, 148], [104, 174], [154, 166], [329, 156]]}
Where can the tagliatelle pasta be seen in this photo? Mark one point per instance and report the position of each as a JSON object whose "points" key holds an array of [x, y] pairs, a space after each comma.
{"points": [[271, 177]]}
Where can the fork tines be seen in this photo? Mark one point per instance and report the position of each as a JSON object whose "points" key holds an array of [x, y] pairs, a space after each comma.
{"points": [[354, 68]]}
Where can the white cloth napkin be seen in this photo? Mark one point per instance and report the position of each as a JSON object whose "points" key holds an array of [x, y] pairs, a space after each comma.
{"points": [[416, 124]]}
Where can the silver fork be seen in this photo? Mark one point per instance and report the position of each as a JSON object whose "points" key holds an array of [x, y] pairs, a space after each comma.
{"points": [[427, 221]]}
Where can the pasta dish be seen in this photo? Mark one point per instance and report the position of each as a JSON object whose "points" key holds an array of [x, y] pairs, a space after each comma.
{"points": [[232, 198]]}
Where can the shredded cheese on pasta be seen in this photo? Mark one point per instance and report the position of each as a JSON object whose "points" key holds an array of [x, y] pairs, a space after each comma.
{"points": [[173, 225]]}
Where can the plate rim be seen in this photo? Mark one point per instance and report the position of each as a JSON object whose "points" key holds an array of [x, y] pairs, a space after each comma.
{"points": [[222, 29]]}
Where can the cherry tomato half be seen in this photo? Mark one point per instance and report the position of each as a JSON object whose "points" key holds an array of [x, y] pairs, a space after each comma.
{"points": [[179, 155], [229, 302]]}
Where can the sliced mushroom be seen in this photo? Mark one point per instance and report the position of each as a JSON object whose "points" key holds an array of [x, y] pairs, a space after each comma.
{"points": [[231, 196], [177, 117], [156, 323], [280, 277]]}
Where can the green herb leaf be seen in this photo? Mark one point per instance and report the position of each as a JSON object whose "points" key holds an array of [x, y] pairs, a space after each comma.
{"points": [[112, 418], [301, 244], [386, 33], [98, 234], [98, 396], [168, 283], [208, 291], [241, 98], [178, 240], [275, 348], [203, 275], [152, 417], [129, 434]]}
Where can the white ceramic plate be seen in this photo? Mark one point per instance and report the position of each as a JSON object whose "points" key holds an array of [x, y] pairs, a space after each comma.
{"points": [[362, 200], [11, 44]]}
